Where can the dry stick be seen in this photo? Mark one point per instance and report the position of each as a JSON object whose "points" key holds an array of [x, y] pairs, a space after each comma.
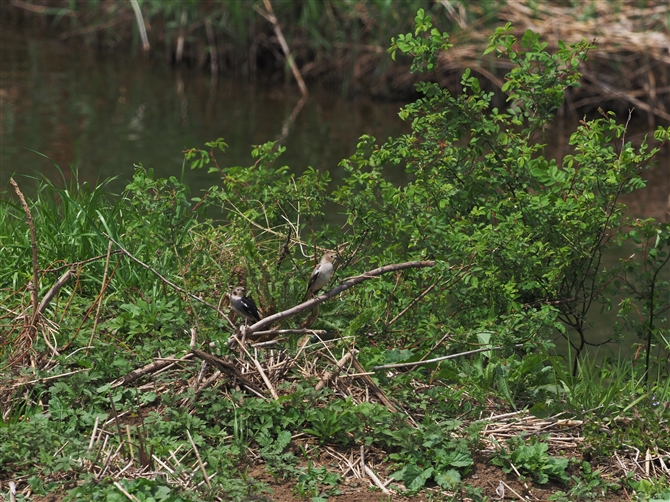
{"points": [[109, 458], [123, 490], [12, 491], [343, 286], [162, 464], [33, 244], [265, 378], [270, 16], [513, 491], [229, 369], [149, 368], [430, 288], [197, 455], [213, 58], [297, 331], [179, 51], [423, 358], [194, 334], [118, 425], [329, 375], [376, 480], [286, 126], [42, 380], [95, 429], [429, 361], [128, 466], [130, 443], [140, 25], [82, 262], [170, 283], [370, 383], [54, 290], [103, 286], [344, 459]]}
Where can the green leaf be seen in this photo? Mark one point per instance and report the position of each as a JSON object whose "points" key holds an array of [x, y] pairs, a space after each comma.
{"points": [[448, 479]]}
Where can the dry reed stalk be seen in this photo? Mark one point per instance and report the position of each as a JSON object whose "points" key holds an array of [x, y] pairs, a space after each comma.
{"points": [[197, 455], [270, 16], [33, 245], [103, 287], [377, 481]]}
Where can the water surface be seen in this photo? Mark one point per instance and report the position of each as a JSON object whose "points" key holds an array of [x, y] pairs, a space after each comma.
{"points": [[105, 113]]}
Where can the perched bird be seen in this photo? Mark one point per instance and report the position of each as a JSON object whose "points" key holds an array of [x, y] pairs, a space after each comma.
{"points": [[244, 306], [321, 274]]}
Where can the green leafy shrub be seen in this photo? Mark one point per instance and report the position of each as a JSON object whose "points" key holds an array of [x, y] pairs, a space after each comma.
{"points": [[531, 459]]}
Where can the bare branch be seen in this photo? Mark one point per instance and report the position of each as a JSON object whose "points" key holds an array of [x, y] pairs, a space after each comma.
{"points": [[147, 369], [54, 289], [429, 361], [329, 375], [270, 16], [343, 286], [229, 369]]}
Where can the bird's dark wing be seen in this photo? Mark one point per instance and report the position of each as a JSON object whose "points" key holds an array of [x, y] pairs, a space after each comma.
{"points": [[250, 308], [310, 283]]}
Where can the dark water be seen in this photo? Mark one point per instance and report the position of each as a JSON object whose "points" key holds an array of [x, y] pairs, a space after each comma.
{"points": [[105, 113]]}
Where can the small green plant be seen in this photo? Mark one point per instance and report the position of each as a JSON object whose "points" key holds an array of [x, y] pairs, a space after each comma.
{"points": [[310, 483], [531, 459], [433, 451], [649, 490], [423, 46], [588, 485], [332, 424]]}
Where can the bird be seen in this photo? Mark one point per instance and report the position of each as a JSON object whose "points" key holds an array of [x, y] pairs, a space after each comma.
{"points": [[321, 274], [244, 306]]}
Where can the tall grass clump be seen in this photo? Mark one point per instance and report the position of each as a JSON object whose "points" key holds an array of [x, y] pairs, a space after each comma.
{"points": [[66, 216]]}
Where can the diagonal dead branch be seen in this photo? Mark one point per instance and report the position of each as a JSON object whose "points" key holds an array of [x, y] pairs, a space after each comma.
{"points": [[147, 369], [229, 369], [197, 455], [270, 16], [429, 361], [329, 375], [265, 378], [343, 286], [375, 388], [54, 290], [103, 287], [415, 300]]}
